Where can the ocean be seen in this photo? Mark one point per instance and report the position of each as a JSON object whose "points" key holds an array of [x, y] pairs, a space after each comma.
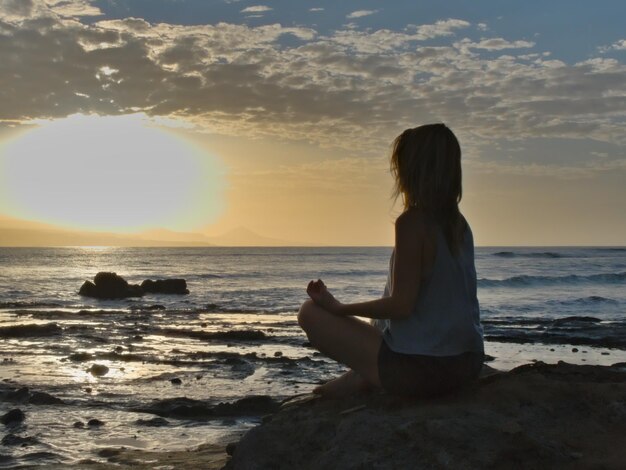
{"points": [[173, 362]]}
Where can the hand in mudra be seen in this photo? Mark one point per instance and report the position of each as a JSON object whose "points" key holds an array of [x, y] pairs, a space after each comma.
{"points": [[321, 296]]}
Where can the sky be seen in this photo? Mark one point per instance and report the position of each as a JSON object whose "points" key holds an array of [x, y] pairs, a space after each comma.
{"points": [[208, 115]]}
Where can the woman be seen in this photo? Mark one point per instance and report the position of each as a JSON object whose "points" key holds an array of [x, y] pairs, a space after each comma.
{"points": [[425, 338]]}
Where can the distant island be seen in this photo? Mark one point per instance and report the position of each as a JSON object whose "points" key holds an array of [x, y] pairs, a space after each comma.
{"points": [[22, 233]]}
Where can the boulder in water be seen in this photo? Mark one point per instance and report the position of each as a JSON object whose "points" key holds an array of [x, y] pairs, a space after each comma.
{"points": [[165, 286], [13, 417], [98, 370], [110, 286]]}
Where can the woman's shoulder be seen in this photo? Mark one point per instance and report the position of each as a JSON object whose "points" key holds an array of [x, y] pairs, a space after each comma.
{"points": [[416, 221], [415, 224]]}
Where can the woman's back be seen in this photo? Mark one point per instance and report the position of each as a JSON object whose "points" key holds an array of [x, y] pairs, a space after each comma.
{"points": [[446, 318]]}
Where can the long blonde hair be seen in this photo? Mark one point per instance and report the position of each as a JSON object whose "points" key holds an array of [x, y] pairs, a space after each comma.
{"points": [[426, 165]]}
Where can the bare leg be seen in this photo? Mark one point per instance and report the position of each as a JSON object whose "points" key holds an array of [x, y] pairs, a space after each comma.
{"points": [[347, 384], [347, 340]]}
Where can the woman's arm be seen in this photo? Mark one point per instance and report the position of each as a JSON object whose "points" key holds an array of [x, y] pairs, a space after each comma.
{"points": [[414, 254]]}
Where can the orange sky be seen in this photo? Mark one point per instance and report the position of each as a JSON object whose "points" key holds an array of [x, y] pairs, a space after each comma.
{"points": [[130, 124]]}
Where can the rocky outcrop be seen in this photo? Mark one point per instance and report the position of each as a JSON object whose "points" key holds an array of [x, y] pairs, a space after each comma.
{"points": [[535, 416], [111, 286]]}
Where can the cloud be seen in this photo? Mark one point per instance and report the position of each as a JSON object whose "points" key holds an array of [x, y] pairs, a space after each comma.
{"points": [[616, 46], [360, 13], [495, 44], [256, 9], [73, 8], [348, 88], [316, 9]]}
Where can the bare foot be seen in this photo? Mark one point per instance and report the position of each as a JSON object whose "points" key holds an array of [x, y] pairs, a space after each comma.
{"points": [[349, 383]]}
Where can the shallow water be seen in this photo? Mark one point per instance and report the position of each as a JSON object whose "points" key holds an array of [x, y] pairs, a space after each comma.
{"points": [[528, 298]]}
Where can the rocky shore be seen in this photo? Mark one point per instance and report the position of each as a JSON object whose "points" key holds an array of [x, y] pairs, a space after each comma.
{"points": [[535, 416]]}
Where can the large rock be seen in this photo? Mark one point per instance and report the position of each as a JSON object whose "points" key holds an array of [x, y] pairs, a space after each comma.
{"points": [[536, 416], [13, 417], [165, 286], [110, 286]]}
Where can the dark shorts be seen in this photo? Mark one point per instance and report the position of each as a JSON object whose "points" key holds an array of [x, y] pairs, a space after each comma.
{"points": [[422, 376]]}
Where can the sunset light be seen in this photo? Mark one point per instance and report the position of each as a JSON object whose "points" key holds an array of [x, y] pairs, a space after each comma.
{"points": [[115, 172], [312, 235]]}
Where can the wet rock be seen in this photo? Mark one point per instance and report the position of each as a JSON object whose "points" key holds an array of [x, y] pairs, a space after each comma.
{"points": [[231, 335], [574, 320], [31, 330], [98, 370], [165, 286], [78, 425], [574, 349], [13, 417], [13, 440], [24, 395], [186, 408], [278, 354], [176, 381], [154, 422], [20, 395], [80, 357], [107, 453], [110, 286], [230, 448], [95, 423], [43, 398], [148, 308]]}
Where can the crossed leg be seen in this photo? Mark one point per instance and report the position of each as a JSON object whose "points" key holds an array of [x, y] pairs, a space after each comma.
{"points": [[347, 340]]}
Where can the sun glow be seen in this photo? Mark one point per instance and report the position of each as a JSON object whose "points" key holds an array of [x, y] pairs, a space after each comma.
{"points": [[109, 173]]}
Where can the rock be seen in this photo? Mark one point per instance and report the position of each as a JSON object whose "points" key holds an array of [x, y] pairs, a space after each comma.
{"points": [[176, 381], [535, 416], [230, 448], [98, 370], [230, 335], [165, 286], [43, 398], [574, 349], [78, 424], [278, 354], [186, 408], [21, 395], [574, 320], [110, 286], [95, 423], [154, 422], [30, 330], [13, 417], [80, 357], [13, 440], [88, 289]]}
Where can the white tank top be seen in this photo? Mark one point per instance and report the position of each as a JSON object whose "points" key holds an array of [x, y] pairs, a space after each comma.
{"points": [[446, 317]]}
